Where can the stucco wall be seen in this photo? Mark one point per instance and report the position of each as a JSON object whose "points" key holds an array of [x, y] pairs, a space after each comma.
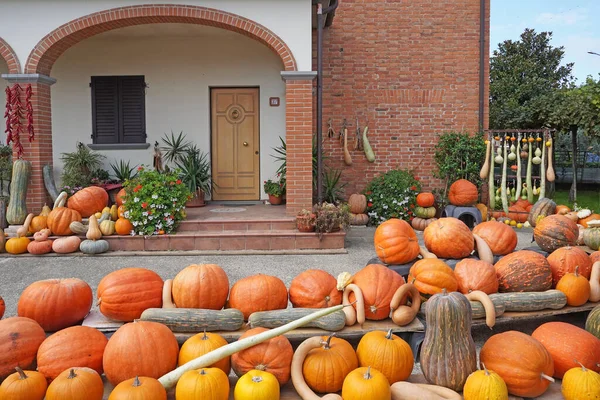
{"points": [[3, 84], [179, 71], [24, 22]]}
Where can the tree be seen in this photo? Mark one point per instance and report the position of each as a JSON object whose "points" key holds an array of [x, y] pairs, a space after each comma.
{"points": [[524, 78]]}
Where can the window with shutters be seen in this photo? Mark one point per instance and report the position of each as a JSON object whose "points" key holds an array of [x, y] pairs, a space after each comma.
{"points": [[118, 109]]}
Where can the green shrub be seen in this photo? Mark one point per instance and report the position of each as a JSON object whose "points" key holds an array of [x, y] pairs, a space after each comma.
{"points": [[392, 195], [459, 156]]}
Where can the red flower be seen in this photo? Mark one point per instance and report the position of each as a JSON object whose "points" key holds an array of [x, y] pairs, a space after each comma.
{"points": [[410, 213], [178, 181], [368, 193], [140, 168], [144, 205], [137, 188], [369, 204], [411, 218], [413, 187], [412, 206]]}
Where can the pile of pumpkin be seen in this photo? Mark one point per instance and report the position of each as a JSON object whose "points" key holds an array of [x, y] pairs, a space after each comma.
{"points": [[65, 219], [424, 211], [358, 209]]}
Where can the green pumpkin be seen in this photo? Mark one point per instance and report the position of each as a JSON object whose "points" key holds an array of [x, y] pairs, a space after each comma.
{"points": [[425, 212], [107, 227], [542, 208], [93, 246], [17, 208], [592, 323], [591, 238]]}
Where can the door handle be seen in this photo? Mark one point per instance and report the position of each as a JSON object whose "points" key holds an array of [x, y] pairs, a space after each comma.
{"points": [[256, 152], [245, 144]]}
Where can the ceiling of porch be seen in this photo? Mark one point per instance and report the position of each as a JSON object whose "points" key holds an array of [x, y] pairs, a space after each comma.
{"points": [[166, 30]]}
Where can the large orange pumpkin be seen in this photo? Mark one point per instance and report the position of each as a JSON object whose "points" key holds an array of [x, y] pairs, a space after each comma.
{"points": [[88, 201], [274, 356], [449, 238], [123, 226], [120, 197], [520, 360], [425, 199], [555, 231], [523, 271], [140, 348], [314, 288], [80, 346], [65, 302], [125, 293], [201, 286], [378, 284], [337, 357], [431, 276], [20, 339], [569, 345], [59, 220], [463, 193], [501, 238], [396, 242], [258, 293], [474, 274], [565, 259]]}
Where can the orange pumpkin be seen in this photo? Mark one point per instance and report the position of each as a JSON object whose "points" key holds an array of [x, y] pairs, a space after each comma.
{"points": [[584, 221], [123, 226], [125, 293], [576, 287], [378, 285], [425, 199], [565, 259], [357, 203], [66, 302], [517, 213], [139, 388], [140, 348], [315, 288], [274, 356], [203, 343], [396, 242], [387, 353], [88, 201], [76, 384], [555, 231], [78, 345], [201, 286], [523, 271], [121, 211], [258, 293], [39, 247], [38, 223], [474, 274], [449, 238], [501, 238], [337, 357], [20, 339], [120, 197], [562, 210], [59, 220], [463, 193], [24, 385], [431, 276]]}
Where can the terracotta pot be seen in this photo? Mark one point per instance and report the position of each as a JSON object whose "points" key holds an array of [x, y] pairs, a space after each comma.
{"points": [[275, 200], [304, 224], [197, 200]]}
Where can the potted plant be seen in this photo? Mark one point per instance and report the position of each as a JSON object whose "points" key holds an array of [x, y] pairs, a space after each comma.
{"points": [[306, 221], [275, 190], [331, 217], [195, 174]]}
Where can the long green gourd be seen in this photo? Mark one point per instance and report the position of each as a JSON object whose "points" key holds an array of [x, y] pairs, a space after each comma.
{"points": [[528, 177], [519, 178], [369, 153], [17, 208], [503, 193], [543, 171], [492, 195]]}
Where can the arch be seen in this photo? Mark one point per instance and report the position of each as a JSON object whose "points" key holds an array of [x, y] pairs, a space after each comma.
{"points": [[8, 54], [46, 52]]}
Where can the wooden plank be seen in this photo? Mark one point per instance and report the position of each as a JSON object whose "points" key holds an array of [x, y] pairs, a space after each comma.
{"points": [[513, 315]]}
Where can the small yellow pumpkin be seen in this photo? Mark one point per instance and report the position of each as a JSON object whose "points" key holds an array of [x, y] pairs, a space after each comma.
{"points": [[98, 215], [366, 383], [107, 227], [485, 385], [94, 232], [204, 383], [45, 211], [580, 383], [105, 210], [114, 212], [257, 385], [18, 245]]}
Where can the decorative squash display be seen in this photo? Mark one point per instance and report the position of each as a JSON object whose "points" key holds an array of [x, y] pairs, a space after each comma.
{"points": [[421, 391], [201, 344], [41, 244], [60, 218], [257, 293], [24, 385], [485, 385], [449, 238], [568, 345], [431, 276], [396, 242], [201, 286], [530, 301], [541, 209], [575, 287], [274, 356], [139, 388], [521, 361], [378, 285], [314, 288], [66, 245], [76, 384], [387, 353], [474, 274], [501, 238], [357, 203], [448, 338], [564, 260], [20, 339], [523, 271], [463, 193], [256, 385], [591, 237], [204, 383], [88, 201], [77, 345], [125, 293], [2, 241], [366, 383], [425, 199], [17, 208], [66, 302], [595, 256], [592, 323], [275, 318], [419, 224], [580, 383], [140, 349], [194, 319], [555, 231]]}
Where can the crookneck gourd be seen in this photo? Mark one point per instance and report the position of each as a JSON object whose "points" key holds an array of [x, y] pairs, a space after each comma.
{"points": [[448, 353]]}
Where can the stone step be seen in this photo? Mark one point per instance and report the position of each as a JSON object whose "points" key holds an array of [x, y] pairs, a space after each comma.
{"points": [[224, 225]]}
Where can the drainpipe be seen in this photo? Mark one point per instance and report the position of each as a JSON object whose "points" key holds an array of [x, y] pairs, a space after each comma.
{"points": [[482, 49], [321, 12]]}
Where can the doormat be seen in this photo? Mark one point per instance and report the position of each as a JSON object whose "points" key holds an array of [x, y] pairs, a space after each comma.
{"points": [[228, 210]]}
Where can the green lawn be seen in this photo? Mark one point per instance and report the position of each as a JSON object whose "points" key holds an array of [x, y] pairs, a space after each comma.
{"points": [[585, 198]]}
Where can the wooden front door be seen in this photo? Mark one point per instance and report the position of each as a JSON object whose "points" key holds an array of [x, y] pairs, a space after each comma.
{"points": [[235, 143]]}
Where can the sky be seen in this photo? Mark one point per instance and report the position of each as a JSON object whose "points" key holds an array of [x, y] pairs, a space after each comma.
{"points": [[575, 25]]}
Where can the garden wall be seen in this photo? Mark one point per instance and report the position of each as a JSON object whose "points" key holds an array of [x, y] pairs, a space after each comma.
{"points": [[412, 69]]}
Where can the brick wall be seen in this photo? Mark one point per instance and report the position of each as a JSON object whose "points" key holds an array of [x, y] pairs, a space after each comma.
{"points": [[412, 69]]}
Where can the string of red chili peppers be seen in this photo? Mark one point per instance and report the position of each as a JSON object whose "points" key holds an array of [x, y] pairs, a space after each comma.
{"points": [[14, 116], [29, 106]]}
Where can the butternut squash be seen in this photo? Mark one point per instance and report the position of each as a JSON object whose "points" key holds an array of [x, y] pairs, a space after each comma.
{"points": [[421, 391], [595, 282]]}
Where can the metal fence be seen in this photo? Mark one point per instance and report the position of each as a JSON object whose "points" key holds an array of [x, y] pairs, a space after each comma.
{"points": [[588, 166]]}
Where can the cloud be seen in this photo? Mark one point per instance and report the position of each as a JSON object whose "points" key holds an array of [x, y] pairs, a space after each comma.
{"points": [[570, 17]]}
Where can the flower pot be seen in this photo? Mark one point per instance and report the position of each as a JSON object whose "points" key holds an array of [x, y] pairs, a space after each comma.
{"points": [[275, 200], [197, 200], [305, 223]]}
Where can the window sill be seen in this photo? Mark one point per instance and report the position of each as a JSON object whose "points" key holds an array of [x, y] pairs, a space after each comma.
{"points": [[119, 146]]}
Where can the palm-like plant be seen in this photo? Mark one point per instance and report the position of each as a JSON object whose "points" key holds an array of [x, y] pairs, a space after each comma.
{"points": [[123, 171], [332, 188], [79, 165], [175, 147], [195, 170], [281, 157]]}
